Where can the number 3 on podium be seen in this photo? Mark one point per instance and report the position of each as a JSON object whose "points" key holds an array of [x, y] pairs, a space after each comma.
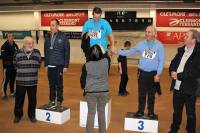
{"points": [[141, 125], [48, 116]]}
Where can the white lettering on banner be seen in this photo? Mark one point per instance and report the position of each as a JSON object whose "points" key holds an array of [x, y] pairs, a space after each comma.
{"points": [[75, 14], [172, 14], [54, 14], [184, 22], [69, 21]]}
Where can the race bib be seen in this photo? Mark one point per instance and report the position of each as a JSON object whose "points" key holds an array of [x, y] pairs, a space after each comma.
{"points": [[149, 54], [96, 34]]}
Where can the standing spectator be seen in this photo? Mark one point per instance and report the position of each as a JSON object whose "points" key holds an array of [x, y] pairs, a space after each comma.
{"points": [[27, 62], [96, 87], [150, 68], [9, 73], [57, 54], [185, 71], [123, 70]]}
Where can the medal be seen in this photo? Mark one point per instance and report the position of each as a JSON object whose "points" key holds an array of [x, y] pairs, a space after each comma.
{"points": [[51, 47]]}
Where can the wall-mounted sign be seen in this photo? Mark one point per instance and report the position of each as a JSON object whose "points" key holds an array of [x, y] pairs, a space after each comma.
{"points": [[130, 23], [120, 14], [178, 18], [73, 35], [171, 37], [17, 34], [66, 18], [70, 35], [126, 20]]}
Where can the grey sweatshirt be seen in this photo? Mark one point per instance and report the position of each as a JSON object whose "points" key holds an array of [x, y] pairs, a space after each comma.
{"points": [[97, 76]]}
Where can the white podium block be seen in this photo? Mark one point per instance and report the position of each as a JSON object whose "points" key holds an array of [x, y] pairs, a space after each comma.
{"points": [[52, 115], [140, 124], [84, 111]]}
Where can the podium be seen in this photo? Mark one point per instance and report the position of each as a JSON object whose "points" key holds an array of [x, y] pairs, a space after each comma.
{"points": [[84, 111], [52, 115], [140, 124]]}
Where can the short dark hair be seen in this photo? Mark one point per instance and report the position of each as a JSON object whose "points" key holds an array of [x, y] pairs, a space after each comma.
{"points": [[9, 32], [58, 23], [95, 53], [127, 44], [97, 10]]}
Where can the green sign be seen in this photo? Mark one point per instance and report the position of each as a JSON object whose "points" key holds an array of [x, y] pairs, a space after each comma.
{"points": [[17, 34]]}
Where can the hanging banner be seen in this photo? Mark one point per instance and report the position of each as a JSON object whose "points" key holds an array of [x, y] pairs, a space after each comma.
{"points": [[171, 37], [66, 18], [178, 18]]}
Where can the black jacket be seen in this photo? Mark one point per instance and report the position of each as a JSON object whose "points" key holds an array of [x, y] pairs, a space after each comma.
{"points": [[85, 46], [7, 53], [60, 54], [190, 72]]}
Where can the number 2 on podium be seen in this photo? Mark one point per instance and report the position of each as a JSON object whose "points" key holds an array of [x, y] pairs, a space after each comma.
{"points": [[48, 116], [141, 125]]}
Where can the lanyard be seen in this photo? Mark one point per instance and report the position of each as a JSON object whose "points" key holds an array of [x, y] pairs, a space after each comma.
{"points": [[53, 38]]}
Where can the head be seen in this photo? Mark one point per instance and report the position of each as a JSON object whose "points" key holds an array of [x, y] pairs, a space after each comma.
{"points": [[28, 43], [54, 25], [127, 45], [96, 52], [150, 33], [10, 37], [192, 38], [96, 13]]}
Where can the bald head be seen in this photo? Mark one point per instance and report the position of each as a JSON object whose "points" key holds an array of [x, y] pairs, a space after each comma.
{"points": [[150, 33], [28, 43]]}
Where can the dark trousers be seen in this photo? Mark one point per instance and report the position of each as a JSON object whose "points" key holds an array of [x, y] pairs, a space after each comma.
{"points": [[179, 100], [146, 89], [19, 100], [8, 77], [123, 83], [55, 76]]}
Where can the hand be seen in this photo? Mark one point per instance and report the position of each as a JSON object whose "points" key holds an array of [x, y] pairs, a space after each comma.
{"points": [[114, 50], [64, 69], [174, 75], [157, 78], [120, 71], [46, 68], [88, 34]]}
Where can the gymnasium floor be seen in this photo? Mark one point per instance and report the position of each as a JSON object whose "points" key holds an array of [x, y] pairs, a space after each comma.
{"points": [[73, 95]]}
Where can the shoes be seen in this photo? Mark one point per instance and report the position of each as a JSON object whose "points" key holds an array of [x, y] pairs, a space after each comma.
{"points": [[125, 93], [17, 120], [33, 120], [12, 95], [152, 115], [172, 131], [59, 106], [139, 114], [51, 105], [122, 94], [5, 97]]}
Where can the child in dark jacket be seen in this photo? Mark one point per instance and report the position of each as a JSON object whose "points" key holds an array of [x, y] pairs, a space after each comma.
{"points": [[123, 70]]}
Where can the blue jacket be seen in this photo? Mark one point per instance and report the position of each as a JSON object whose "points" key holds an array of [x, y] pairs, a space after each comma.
{"points": [[60, 54]]}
